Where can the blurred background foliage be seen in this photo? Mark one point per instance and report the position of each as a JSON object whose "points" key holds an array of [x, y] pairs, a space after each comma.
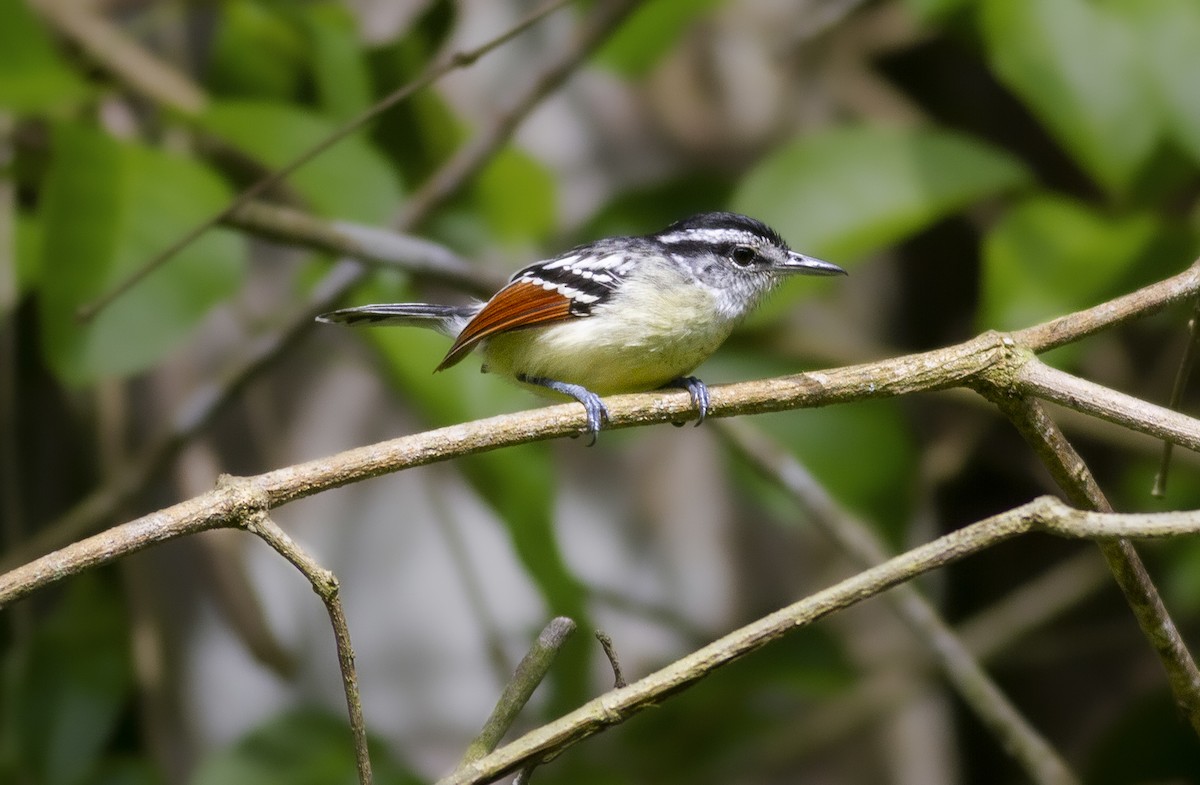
{"points": [[975, 164]]}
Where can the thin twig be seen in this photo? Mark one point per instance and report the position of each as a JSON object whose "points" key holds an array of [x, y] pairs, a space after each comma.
{"points": [[529, 674], [1144, 302], [1043, 514], [1016, 735], [610, 652], [123, 56], [1042, 381], [430, 75], [325, 584], [1073, 476], [471, 156], [374, 246], [1181, 379]]}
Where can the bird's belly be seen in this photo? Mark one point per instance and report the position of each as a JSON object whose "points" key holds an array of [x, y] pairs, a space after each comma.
{"points": [[643, 350]]}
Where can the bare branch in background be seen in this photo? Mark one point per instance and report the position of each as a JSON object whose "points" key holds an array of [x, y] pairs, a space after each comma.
{"points": [[856, 540], [1181, 379], [1045, 514], [530, 672]]}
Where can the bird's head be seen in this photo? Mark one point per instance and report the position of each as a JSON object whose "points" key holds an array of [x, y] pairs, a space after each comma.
{"points": [[738, 257]]}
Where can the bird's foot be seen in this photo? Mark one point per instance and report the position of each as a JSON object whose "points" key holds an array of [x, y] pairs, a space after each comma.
{"points": [[597, 412], [699, 392]]}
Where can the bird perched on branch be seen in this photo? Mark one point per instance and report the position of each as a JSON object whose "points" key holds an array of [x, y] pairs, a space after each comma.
{"points": [[622, 314]]}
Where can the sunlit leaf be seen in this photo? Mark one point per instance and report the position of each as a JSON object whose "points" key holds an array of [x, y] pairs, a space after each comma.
{"points": [[108, 208], [257, 52], [1169, 39], [349, 180], [936, 10], [650, 33], [850, 191], [33, 78], [339, 70], [864, 456], [516, 195], [1050, 256], [1077, 67]]}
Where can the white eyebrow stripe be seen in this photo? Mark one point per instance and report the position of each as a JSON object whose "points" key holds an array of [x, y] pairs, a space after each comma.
{"points": [[713, 236]]}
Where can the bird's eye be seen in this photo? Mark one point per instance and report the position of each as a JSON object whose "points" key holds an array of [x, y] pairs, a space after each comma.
{"points": [[743, 255]]}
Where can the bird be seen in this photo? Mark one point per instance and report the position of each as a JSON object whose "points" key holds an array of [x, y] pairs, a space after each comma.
{"points": [[617, 315]]}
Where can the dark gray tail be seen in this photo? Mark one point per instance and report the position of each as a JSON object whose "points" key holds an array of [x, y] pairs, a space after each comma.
{"points": [[448, 319]]}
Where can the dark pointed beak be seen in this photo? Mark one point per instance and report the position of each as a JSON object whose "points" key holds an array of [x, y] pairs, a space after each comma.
{"points": [[807, 265]]}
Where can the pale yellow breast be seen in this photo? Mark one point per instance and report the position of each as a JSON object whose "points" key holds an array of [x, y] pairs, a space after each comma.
{"points": [[648, 335]]}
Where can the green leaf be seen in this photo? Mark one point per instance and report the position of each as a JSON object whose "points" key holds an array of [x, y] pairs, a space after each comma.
{"points": [[339, 70], [421, 132], [863, 456], [33, 78], [1050, 255], [516, 195], [650, 33], [301, 747], [72, 683], [1077, 67], [1170, 43], [933, 11], [108, 208], [349, 180], [257, 53], [851, 191]]}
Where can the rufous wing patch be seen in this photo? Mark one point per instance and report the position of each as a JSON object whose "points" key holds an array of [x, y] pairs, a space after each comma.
{"points": [[520, 304]]}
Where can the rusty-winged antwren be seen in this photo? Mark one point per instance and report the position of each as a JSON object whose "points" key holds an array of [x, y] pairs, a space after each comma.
{"points": [[622, 314]]}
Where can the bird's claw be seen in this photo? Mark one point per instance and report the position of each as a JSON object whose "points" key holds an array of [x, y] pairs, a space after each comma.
{"points": [[698, 390], [597, 412]]}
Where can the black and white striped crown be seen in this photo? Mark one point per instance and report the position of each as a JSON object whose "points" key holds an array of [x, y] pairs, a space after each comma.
{"points": [[719, 228]]}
